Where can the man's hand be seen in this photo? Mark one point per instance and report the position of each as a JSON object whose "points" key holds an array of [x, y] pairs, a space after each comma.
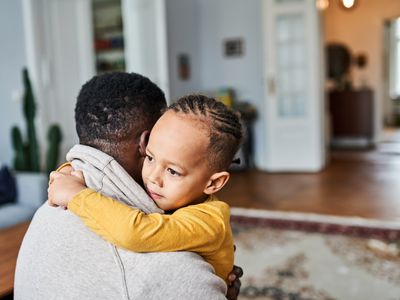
{"points": [[63, 187], [234, 283]]}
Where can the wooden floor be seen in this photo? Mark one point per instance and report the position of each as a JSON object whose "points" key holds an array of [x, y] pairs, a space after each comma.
{"points": [[10, 241], [355, 183]]}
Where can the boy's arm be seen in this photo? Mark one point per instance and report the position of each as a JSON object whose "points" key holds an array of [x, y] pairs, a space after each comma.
{"points": [[199, 228]]}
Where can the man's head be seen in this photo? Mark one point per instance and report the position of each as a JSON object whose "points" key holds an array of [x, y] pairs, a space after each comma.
{"points": [[189, 151], [112, 112]]}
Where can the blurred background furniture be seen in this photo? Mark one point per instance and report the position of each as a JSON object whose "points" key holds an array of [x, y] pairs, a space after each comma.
{"points": [[351, 117], [31, 193]]}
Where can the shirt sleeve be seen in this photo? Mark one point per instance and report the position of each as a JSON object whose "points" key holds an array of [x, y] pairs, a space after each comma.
{"points": [[66, 164], [199, 228]]}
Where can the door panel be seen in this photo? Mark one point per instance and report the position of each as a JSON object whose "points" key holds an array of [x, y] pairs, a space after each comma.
{"points": [[294, 90]]}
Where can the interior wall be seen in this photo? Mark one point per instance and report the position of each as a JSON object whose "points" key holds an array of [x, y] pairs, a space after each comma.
{"points": [[362, 30], [235, 19], [183, 32], [199, 28], [12, 60]]}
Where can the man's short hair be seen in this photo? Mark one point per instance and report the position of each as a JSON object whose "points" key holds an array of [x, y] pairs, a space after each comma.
{"points": [[115, 107]]}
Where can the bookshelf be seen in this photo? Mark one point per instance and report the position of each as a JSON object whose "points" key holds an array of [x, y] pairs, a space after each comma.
{"points": [[108, 36]]}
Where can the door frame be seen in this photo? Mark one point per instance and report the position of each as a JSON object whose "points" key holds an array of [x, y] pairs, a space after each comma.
{"points": [[317, 124]]}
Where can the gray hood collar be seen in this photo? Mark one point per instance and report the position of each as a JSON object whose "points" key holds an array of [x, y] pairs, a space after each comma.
{"points": [[105, 175]]}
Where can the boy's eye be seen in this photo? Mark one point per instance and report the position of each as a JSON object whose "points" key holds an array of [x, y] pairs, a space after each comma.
{"points": [[173, 172]]}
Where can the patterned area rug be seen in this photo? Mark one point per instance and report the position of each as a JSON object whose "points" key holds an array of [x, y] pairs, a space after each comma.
{"points": [[314, 257]]}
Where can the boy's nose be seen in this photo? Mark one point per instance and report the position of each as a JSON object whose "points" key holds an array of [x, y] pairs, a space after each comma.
{"points": [[155, 177]]}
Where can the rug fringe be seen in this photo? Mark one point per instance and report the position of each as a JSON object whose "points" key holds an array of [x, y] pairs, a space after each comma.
{"points": [[311, 217]]}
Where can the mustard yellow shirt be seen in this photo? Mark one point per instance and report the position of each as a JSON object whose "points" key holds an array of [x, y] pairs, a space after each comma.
{"points": [[202, 228]]}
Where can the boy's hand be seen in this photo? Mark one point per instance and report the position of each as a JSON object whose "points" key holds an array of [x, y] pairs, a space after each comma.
{"points": [[63, 187], [234, 283]]}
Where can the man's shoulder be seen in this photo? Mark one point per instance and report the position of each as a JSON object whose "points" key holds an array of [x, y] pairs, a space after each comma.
{"points": [[60, 257], [172, 275], [58, 242]]}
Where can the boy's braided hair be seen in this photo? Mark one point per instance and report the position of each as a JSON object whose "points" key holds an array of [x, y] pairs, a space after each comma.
{"points": [[224, 125]]}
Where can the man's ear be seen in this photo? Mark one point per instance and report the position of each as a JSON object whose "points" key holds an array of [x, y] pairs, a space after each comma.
{"points": [[144, 139], [216, 182]]}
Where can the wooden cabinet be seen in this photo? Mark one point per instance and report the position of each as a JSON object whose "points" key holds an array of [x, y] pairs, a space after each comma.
{"points": [[351, 117]]}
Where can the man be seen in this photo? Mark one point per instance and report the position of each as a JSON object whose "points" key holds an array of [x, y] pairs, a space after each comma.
{"points": [[61, 259]]}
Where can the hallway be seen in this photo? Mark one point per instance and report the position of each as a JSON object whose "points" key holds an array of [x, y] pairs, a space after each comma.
{"points": [[355, 183]]}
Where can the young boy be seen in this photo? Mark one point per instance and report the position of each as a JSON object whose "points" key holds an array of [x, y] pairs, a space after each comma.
{"points": [[189, 150]]}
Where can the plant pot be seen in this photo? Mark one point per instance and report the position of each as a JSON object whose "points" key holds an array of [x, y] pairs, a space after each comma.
{"points": [[31, 188]]}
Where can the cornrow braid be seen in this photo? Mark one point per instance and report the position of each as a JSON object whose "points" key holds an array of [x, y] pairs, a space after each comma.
{"points": [[224, 125]]}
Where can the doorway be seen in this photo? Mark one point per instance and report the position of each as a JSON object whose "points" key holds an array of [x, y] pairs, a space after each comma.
{"points": [[391, 74], [363, 32], [294, 87]]}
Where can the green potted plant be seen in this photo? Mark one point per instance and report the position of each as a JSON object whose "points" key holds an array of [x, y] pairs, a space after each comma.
{"points": [[27, 164]]}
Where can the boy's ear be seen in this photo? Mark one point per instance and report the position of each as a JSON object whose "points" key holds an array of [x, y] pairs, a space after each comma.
{"points": [[144, 139], [216, 182]]}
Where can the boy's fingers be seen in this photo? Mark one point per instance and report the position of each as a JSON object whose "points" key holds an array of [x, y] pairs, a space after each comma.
{"points": [[50, 198], [54, 175], [51, 203], [79, 175], [66, 170], [51, 177]]}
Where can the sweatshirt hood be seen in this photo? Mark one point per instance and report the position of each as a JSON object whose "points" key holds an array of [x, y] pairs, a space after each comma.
{"points": [[106, 176]]}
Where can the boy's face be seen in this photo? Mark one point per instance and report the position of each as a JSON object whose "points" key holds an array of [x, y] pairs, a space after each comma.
{"points": [[175, 171]]}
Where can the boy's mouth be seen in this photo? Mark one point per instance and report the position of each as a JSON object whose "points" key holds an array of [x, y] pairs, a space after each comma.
{"points": [[154, 195]]}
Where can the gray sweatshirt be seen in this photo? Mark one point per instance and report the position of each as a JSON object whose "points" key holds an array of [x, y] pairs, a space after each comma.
{"points": [[62, 259]]}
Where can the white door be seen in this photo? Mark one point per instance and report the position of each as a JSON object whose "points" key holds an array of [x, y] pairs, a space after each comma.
{"points": [[294, 86], [145, 34], [60, 56]]}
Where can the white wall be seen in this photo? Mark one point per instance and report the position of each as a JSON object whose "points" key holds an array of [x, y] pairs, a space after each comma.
{"points": [[199, 27], [183, 31], [12, 60], [362, 30]]}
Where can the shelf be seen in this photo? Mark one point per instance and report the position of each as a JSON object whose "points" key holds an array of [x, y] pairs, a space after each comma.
{"points": [[106, 29], [109, 38], [101, 4], [108, 50]]}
